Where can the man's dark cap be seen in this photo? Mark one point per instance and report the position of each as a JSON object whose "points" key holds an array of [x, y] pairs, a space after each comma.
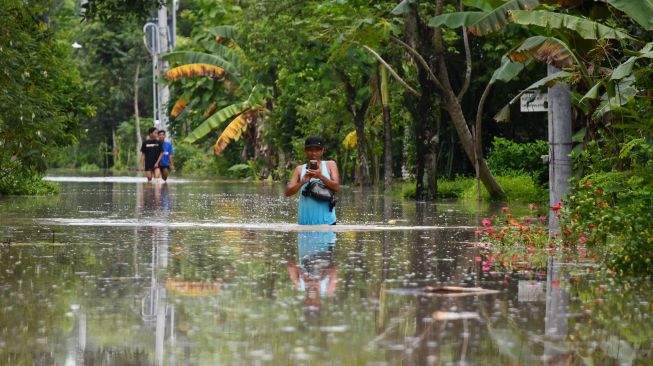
{"points": [[314, 141]]}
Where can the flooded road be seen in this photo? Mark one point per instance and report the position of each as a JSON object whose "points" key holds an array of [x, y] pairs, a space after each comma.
{"points": [[115, 271]]}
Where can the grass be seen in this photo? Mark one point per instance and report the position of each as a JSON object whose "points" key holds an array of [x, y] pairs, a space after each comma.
{"points": [[517, 187]]}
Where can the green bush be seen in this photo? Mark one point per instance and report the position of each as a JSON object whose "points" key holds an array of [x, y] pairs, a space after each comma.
{"points": [[87, 168], [518, 187], [509, 158], [20, 180]]}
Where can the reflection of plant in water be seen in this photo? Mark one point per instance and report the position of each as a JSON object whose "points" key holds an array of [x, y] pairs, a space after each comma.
{"points": [[525, 243], [617, 324]]}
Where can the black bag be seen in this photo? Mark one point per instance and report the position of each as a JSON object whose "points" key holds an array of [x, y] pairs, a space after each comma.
{"points": [[317, 190]]}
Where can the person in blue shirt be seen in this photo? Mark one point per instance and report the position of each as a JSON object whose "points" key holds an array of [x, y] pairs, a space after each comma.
{"points": [[312, 211], [166, 162]]}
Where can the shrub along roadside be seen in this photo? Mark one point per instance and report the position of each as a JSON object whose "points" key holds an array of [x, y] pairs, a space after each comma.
{"points": [[518, 187]]}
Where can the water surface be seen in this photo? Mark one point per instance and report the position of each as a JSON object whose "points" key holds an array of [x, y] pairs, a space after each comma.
{"points": [[117, 271]]}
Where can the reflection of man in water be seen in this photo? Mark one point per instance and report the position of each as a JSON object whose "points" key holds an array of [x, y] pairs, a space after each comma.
{"points": [[316, 272]]}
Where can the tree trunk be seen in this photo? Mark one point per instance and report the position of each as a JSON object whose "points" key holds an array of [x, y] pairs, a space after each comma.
{"points": [[455, 111], [363, 177], [387, 130], [282, 167], [137, 118]]}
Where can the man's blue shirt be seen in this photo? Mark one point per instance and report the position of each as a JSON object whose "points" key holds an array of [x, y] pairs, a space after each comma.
{"points": [[167, 152]]}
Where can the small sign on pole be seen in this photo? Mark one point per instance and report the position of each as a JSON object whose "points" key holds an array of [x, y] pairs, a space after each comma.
{"points": [[533, 101]]}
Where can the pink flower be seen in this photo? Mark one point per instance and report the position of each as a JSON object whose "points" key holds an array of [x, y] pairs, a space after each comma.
{"points": [[583, 239], [486, 222], [489, 230], [527, 220], [478, 232], [541, 218], [532, 206], [504, 209]]}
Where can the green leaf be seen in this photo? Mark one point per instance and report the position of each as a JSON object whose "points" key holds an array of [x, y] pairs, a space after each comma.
{"points": [[509, 69], [457, 20], [547, 49], [403, 7], [224, 31], [593, 93], [586, 28], [625, 69], [485, 5], [504, 113], [203, 58], [215, 120], [641, 11], [497, 19]]}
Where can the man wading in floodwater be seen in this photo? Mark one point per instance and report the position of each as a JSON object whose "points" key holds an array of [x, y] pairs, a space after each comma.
{"points": [[315, 211], [150, 153]]}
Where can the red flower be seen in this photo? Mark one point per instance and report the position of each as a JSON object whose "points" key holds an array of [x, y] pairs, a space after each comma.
{"points": [[489, 230], [486, 222], [598, 192], [557, 206], [527, 220], [591, 226], [541, 218], [588, 184], [583, 239]]}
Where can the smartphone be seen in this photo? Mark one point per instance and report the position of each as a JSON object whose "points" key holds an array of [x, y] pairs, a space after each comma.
{"points": [[312, 165]]}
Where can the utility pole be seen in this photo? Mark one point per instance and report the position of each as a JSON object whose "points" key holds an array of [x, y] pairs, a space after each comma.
{"points": [[162, 39], [559, 145]]}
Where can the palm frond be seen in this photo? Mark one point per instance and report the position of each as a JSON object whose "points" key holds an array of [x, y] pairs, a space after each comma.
{"points": [[236, 128], [585, 28], [179, 106], [215, 120], [204, 58], [194, 70], [210, 110], [498, 18]]}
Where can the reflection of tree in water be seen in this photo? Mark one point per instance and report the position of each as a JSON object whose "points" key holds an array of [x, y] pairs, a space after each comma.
{"points": [[117, 356], [200, 263]]}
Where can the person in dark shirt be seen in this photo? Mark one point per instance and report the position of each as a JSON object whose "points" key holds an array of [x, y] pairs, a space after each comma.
{"points": [[151, 152]]}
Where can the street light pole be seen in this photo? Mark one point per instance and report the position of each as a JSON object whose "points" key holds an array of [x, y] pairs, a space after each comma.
{"points": [[162, 41]]}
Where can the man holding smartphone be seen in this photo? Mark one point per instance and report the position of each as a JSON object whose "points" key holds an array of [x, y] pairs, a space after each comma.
{"points": [[312, 211]]}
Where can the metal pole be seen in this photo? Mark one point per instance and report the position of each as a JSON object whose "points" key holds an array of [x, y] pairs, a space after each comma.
{"points": [[559, 145], [154, 50]]}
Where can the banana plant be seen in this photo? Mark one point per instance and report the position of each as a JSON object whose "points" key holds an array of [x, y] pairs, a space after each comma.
{"points": [[221, 60]]}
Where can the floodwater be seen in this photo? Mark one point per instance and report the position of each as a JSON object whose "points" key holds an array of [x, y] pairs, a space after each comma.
{"points": [[114, 271]]}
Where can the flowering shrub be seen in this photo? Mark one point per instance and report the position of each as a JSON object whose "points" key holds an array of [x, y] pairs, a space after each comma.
{"points": [[617, 215], [525, 243], [608, 216]]}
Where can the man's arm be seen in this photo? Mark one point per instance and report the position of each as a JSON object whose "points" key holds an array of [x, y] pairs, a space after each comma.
{"points": [[172, 164], [334, 182], [295, 183]]}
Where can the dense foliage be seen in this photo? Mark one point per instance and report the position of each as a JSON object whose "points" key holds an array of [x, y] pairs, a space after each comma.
{"points": [[43, 96]]}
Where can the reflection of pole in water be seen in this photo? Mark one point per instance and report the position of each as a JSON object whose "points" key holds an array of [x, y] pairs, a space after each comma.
{"points": [[77, 341], [557, 311]]}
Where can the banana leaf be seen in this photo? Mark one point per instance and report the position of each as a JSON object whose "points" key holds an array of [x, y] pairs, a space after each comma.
{"points": [[215, 120], [586, 28], [203, 58], [640, 11]]}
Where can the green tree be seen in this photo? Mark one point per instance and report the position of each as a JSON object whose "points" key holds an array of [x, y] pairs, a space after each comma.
{"points": [[43, 96]]}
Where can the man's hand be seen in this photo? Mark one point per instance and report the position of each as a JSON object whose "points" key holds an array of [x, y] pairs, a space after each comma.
{"points": [[172, 168]]}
